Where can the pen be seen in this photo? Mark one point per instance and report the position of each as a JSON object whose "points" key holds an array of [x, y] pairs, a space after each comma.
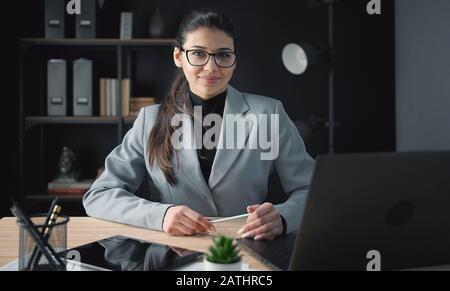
{"points": [[43, 246], [230, 218], [48, 227], [32, 260]]}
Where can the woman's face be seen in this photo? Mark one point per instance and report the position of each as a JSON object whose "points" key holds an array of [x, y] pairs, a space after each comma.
{"points": [[208, 80]]}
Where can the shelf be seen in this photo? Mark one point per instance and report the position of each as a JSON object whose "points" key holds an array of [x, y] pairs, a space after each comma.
{"points": [[31, 120], [50, 197], [90, 120], [99, 41]]}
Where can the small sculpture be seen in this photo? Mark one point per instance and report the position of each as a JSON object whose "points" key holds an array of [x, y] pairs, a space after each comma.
{"points": [[67, 167]]}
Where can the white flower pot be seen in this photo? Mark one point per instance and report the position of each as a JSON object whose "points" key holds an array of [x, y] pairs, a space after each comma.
{"points": [[210, 266]]}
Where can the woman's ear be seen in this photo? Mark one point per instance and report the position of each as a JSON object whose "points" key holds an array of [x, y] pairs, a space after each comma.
{"points": [[177, 57]]}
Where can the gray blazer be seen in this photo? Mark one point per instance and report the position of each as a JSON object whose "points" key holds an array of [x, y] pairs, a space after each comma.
{"points": [[238, 177]]}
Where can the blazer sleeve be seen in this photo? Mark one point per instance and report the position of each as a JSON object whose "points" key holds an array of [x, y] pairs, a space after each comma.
{"points": [[111, 196], [295, 168]]}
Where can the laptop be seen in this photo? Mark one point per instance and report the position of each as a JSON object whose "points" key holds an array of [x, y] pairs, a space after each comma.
{"points": [[394, 207]]}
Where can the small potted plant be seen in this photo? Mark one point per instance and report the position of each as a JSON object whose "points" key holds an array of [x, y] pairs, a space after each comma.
{"points": [[223, 255]]}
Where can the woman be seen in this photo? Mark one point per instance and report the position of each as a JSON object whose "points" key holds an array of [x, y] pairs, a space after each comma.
{"points": [[204, 181]]}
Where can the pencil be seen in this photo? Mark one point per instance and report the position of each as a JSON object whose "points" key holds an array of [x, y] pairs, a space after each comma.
{"points": [[46, 234], [230, 218], [35, 256]]}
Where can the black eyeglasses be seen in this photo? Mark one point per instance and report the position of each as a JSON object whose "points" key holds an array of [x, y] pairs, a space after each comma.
{"points": [[198, 57]]}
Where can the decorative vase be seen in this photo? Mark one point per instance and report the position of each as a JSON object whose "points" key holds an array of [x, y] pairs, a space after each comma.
{"points": [[156, 27], [101, 3], [210, 266]]}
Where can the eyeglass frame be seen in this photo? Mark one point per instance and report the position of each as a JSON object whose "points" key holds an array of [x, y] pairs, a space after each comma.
{"points": [[209, 56]]}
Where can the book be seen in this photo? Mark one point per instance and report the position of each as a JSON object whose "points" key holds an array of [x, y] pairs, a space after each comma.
{"points": [[126, 92], [126, 25], [113, 97], [136, 103], [103, 97], [63, 191], [108, 97], [82, 184], [143, 99]]}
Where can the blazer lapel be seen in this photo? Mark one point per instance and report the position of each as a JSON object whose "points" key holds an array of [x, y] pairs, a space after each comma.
{"points": [[235, 105]]}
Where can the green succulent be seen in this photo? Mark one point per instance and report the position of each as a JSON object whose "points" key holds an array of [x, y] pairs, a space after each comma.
{"points": [[223, 251]]}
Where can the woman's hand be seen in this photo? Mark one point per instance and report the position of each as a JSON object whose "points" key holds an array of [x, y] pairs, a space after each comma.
{"points": [[181, 220], [264, 222]]}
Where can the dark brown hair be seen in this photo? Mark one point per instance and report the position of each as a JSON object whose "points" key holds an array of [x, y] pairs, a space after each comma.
{"points": [[177, 101]]}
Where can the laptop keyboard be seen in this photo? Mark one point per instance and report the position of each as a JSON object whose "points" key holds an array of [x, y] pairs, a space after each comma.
{"points": [[276, 253]]}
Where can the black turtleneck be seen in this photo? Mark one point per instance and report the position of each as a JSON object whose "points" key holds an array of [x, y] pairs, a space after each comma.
{"points": [[212, 105]]}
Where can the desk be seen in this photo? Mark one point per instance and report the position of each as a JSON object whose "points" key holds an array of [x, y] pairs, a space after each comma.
{"points": [[83, 230]]}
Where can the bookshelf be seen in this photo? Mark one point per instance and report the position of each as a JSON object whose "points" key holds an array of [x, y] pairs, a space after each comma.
{"points": [[40, 136], [138, 42], [37, 120]]}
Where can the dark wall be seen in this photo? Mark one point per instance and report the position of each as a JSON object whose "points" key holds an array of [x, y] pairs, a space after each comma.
{"points": [[422, 75], [365, 102], [9, 104]]}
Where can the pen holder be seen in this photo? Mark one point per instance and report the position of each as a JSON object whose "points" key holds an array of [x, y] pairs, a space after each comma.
{"points": [[28, 250]]}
